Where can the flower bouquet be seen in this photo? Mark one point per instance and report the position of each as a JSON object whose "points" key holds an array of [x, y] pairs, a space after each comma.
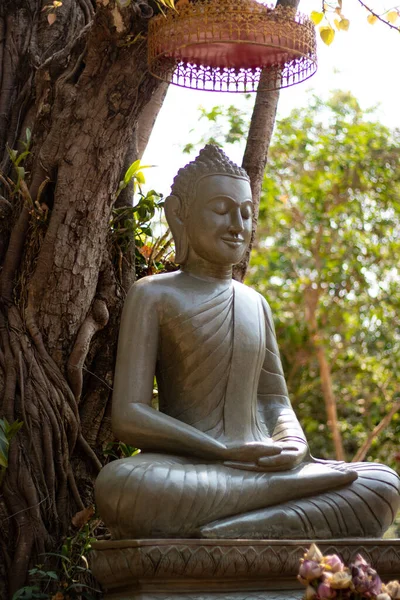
{"points": [[327, 577]]}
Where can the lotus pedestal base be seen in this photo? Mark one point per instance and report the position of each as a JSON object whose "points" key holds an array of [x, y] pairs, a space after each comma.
{"points": [[195, 569]]}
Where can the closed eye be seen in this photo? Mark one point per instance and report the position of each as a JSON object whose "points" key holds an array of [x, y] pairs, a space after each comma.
{"points": [[220, 207], [246, 212]]}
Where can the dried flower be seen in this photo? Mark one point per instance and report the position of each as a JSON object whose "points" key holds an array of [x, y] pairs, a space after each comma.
{"points": [[311, 593], [393, 589], [366, 580], [314, 553], [360, 563], [325, 591], [309, 570], [332, 563], [340, 580]]}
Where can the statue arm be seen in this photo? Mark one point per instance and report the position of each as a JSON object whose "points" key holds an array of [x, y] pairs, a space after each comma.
{"points": [[274, 405], [134, 421]]}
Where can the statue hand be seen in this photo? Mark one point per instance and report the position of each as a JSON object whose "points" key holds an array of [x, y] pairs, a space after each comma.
{"points": [[251, 451], [292, 454]]}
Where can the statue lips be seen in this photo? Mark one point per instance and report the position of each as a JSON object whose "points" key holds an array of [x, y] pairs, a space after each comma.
{"points": [[233, 242]]}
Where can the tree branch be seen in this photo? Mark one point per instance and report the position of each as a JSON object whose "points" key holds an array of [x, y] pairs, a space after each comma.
{"points": [[361, 453], [378, 16]]}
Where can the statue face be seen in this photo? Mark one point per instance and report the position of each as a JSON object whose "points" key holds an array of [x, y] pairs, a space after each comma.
{"points": [[220, 219]]}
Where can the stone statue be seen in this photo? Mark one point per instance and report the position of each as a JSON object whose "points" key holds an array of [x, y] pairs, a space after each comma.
{"points": [[225, 456]]}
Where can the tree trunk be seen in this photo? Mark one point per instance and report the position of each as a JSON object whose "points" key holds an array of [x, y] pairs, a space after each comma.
{"points": [[79, 85], [256, 152], [311, 299]]}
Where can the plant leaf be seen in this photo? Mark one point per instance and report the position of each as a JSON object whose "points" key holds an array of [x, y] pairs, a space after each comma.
{"points": [[131, 171], [327, 34], [316, 17], [82, 517], [372, 19], [392, 16], [344, 24], [52, 17], [140, 177]]}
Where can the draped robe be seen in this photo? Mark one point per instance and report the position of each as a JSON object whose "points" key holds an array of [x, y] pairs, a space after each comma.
{"points": [[219, 370]]}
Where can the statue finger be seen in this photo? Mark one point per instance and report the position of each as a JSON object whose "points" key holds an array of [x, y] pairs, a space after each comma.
{"points": [[283, 461], [243, 466], [270, 450]]}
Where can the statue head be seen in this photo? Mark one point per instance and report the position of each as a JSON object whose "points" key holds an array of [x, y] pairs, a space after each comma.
{"points": [[210, 208]]}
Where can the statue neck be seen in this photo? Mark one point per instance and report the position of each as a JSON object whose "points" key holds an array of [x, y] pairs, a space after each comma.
{"points": [[202, 269]]}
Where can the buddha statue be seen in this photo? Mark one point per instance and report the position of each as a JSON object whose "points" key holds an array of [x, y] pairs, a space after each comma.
{"points": [[224, 456]]}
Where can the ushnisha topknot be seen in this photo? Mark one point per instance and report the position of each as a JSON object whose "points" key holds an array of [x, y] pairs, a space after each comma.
{"points": [[211, 160]]}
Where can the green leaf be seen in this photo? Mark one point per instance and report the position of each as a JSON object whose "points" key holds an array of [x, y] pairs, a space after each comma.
{"points": [[13, 428], [316, 17], [131, 171], [12, 154], [52, 575], [327, 34], [4, 446], [140, 177]]}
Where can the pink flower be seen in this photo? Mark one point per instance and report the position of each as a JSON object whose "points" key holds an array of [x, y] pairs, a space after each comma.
{"points": [[309, 570], [325, 592], [366, 580], [360, 562], [332, 563]]}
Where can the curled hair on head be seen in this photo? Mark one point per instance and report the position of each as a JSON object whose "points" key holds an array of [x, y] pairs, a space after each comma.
{"points": [[211, 160]]}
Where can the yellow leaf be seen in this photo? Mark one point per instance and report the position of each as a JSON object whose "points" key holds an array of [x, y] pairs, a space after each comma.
{"points": [[337, 23], [327, 34], [392, 16], [316, 17], [344, 24], [51, 18], [140, 177], [372, 19], [57, 3]]}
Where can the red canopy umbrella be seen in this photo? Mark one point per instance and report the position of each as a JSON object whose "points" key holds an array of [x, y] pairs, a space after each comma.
{"points": [[224, 45]]}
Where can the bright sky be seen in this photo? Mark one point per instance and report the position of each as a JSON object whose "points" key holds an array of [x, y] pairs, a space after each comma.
{"points": [[364, 60]]}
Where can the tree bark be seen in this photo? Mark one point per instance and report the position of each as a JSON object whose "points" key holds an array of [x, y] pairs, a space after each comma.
{"points": [[256, 152], [80, 86]]}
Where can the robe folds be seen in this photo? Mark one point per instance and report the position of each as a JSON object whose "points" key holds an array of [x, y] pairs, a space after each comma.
{"points": [[218, 370]]}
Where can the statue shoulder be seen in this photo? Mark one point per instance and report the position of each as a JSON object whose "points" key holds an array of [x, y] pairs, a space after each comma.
{"points": [[242, 289], [152, 289]]}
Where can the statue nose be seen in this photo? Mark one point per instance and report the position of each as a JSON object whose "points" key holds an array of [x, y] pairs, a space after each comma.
{"points": [[236, 224]]}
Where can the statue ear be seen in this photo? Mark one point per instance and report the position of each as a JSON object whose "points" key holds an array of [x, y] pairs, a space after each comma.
{"points": [[173, 211]]}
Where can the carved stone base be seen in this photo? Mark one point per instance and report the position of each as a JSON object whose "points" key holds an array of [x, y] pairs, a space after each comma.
{"points": [[193, 569]]}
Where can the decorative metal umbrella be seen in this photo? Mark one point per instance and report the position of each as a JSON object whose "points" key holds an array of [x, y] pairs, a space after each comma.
{"points": [[225, 45]]}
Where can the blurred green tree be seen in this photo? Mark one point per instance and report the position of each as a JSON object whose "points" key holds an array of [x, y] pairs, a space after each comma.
{"points": [[325, 258]]}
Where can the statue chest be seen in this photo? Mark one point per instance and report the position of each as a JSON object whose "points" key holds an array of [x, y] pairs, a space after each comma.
{"points": [[209, 363]]}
